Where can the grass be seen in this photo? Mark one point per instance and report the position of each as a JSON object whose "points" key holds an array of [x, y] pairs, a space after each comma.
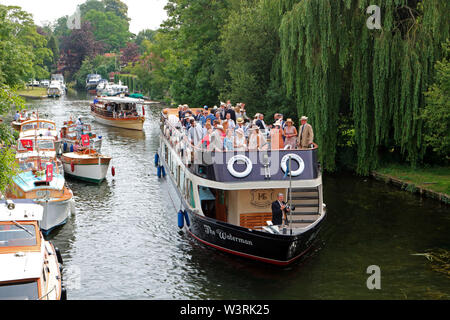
{"points": [[433, 178], [33, 92]]}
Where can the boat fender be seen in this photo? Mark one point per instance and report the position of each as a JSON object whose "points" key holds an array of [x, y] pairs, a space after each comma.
{"points": [[158, 171], [186, 217], [58, 255], [65, 146], [143, 110], [243, 174], [163, 171], [71, 148], [63, 294], [180, 219], [156, 159], [113, 171], [72, 166], [296, 158]]}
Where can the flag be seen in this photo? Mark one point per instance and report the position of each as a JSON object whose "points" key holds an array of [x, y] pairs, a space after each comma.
{"points": [[49, 173], [85, 140], [27, 144]]}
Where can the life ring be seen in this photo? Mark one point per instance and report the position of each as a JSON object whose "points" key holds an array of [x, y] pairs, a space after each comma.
{"points": [[244, 173], [296, 158]]}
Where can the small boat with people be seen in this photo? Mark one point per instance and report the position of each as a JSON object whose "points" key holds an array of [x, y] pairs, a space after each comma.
{"points": [[85, 163], [41, 179], [22, 116], [30, 265], [71, 132], [120, 111], [233, 199]]}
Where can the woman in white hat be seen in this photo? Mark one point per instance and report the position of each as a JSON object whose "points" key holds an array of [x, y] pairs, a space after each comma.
{"points": [[290, 133], [256, 140], [240, 144]]}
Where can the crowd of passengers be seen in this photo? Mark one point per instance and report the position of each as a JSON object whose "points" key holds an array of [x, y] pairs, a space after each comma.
{"points": [[228, 128]]}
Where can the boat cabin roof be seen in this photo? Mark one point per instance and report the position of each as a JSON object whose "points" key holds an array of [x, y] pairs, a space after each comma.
{"points": [[20, 210]]}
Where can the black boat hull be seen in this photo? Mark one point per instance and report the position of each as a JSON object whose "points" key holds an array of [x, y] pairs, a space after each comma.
{"points": [[275, 249]]}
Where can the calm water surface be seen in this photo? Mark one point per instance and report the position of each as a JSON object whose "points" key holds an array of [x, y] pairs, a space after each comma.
{"points": [[124, 243]]}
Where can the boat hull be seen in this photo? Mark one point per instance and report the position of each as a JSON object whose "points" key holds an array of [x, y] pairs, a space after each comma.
{"points": [[276, 249], [56, 214], [131, 124], [93, 173]]}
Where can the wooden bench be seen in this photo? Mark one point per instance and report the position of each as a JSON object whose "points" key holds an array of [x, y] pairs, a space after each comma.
{"points": [[255, 220]]}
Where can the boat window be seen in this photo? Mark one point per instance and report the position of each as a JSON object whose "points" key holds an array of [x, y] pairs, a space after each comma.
{"points": [[190, 193], [207, 201], [46, 144], [12, 235], [19, 291], [46, 125], [29, 126]]}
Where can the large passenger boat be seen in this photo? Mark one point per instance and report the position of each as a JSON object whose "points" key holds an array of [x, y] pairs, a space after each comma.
{"points": [[226, 197], [121, 112], [30, 266]]}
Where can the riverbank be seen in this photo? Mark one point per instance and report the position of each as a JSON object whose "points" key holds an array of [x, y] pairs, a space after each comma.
{"points": [[433, 182], [34, 93]]}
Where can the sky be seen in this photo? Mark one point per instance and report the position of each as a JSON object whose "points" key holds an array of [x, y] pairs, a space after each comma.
{"points": [[144, 14]]}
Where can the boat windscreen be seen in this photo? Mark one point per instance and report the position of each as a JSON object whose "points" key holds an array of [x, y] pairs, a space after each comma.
{"points": [[19, 291], [12, 235]]}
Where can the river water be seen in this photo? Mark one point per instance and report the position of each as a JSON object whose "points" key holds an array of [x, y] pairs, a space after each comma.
{"points": [[123, 242]]}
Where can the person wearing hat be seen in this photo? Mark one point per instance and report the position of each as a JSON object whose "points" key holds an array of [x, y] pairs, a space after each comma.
{"points": [[256, 140], [276, 136], [79, 128], [306, 134], [217, 138], [290, 134], [240, 143], [240, 125]]}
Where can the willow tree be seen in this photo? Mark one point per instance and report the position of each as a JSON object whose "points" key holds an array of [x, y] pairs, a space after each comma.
{"points": [[331, 61]]}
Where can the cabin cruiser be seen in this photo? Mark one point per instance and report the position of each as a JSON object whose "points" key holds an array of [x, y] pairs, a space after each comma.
{"points": [[92, 81], [58, 79], [121, 112], [30, 265], [41, 179], [40, 127], [55, 90], [111, 89], [225, 197]]}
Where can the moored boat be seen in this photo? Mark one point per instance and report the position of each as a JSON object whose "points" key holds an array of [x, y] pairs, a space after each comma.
{"points": [[70, 136], [87, 165], [92, 80], [225, 198], [40, 128], [121, 112], [30, 265], [41, 178]]}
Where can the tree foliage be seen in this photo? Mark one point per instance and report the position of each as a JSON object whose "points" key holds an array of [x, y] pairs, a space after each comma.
{"points": [[330, 58], [436, 114]]}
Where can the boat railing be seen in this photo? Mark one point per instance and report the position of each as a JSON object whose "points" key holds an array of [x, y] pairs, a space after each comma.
{"points": [[218, 165], [177, 135]]}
